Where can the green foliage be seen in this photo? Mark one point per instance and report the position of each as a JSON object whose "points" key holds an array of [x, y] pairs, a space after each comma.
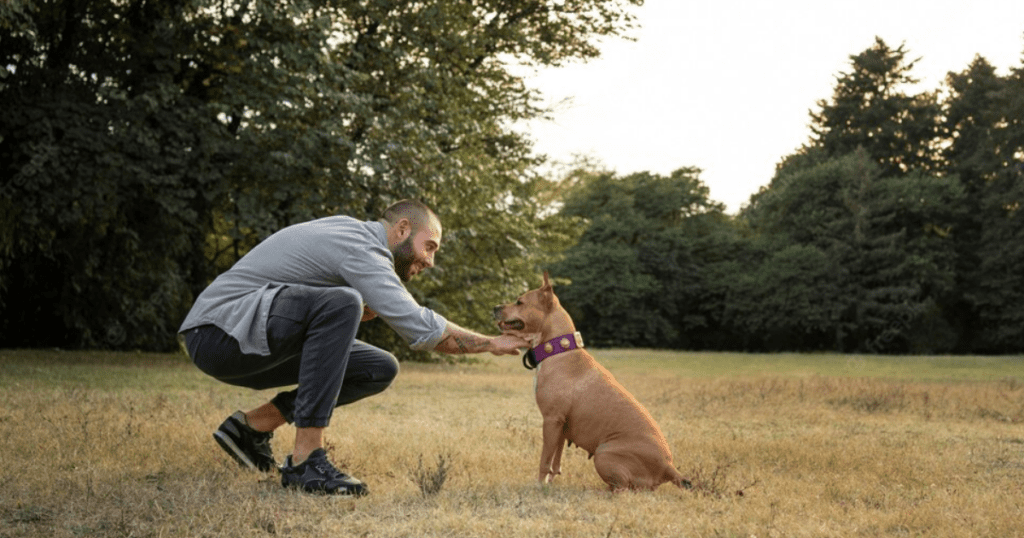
{"points": [[882, 249], [145, 145], [975, 124], [923, 242], [634, 272], [998, 292], [896, 229], [870, 109], [787, 301], [99, 178], [984, 120]]}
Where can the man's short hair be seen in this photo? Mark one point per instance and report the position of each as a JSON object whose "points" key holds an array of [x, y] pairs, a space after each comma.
{"points": [[418, 213]]}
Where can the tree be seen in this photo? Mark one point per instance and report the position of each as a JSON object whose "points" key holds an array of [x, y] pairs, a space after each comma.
{"points": [[975, 118], [894, 231], [101, 168], [996, 287], [871, 109], [785, 301], [877, 253], [147, 144], [634, 274]]}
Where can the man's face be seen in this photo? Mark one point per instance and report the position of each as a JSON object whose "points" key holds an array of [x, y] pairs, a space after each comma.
{"points": [[416, 252]]}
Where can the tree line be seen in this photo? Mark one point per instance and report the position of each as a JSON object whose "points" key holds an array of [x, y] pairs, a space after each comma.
{"points": [[146, 145], [897, 228]]}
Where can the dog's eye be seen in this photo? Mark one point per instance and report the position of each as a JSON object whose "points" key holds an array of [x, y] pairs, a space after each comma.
{"points": [[519, 302]]}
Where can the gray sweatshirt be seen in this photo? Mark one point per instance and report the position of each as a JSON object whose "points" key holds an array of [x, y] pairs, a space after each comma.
{"points": [[332, 251]]}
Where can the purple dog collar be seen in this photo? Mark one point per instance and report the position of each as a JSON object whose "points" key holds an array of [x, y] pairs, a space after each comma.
{"points": [[559, 344]]}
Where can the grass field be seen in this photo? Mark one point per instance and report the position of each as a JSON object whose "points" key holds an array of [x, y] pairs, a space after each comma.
{"points": [[119, 444]]}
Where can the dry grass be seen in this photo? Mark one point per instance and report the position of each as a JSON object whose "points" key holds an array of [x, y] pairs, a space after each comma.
{"points": [[119, 445]]}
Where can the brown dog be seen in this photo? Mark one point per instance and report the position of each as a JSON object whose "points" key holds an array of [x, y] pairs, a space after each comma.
{"points": [[582, 403]]}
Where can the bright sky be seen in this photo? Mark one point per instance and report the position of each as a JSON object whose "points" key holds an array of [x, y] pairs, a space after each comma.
{"points": [[726, 85]]}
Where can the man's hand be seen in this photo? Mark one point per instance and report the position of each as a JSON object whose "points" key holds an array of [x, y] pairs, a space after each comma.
{"points": [[368, 314], [458, 340], [506, 344]]}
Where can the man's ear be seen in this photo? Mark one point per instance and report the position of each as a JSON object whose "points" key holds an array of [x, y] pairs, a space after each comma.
{"points": [[404, 228]]}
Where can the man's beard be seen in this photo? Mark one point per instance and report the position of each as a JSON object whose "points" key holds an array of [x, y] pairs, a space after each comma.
{"points": [[404, 258]]}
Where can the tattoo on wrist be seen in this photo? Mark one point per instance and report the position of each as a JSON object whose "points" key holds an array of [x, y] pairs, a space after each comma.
{"points": [[467, 343]]}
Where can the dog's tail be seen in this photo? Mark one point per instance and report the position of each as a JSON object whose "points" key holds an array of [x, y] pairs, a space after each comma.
{"points": [[679, 480]]}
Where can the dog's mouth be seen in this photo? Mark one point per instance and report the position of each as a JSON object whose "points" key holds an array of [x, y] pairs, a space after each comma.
{"points": [[511, 325]]}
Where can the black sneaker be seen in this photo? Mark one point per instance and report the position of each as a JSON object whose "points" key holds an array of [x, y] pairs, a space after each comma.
{"points": [[248, 447], [317, 475]]}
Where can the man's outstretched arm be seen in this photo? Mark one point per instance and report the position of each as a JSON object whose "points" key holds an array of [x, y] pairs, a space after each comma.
{"points": [[457, 340]]}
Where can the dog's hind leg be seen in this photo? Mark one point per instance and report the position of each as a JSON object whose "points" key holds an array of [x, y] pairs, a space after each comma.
{"points": [[613, 469]]}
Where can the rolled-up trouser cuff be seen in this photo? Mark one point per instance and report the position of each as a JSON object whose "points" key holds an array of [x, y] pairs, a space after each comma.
{"points": [[285, 403]]}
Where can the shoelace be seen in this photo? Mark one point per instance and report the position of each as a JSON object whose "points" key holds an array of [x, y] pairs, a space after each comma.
{"points": [[328, 470], [261, 441]]}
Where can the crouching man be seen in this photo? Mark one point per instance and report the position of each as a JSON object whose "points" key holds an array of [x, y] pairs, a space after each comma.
{"points": [[287, 314]]}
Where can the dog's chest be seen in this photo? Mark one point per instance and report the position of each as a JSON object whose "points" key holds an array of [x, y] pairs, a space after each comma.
{"points": [[560, 386]]}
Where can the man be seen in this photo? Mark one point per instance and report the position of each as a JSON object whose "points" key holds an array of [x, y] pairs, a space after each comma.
{"points": [[287, 314]]}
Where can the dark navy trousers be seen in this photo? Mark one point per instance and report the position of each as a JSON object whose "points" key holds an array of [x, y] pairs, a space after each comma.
{"points": [[311, 332]]}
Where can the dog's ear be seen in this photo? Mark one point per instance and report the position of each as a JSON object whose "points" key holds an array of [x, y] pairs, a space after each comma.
{"points": [[547, 293]]}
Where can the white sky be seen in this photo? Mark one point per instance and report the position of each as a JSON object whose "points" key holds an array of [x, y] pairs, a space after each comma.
{"points": [[726, 85]]}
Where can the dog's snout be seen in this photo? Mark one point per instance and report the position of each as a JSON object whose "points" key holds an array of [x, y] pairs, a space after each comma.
{"points": [[498, 310]]}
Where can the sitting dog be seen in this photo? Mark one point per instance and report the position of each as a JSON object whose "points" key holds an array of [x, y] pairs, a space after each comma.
{"points": [[582, 403]]}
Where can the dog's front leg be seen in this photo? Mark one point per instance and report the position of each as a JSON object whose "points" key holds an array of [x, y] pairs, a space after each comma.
{"points": [[556, 461], [551, 452]]}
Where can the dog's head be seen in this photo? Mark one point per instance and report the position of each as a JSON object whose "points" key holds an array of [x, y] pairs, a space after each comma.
{"points": [[526, 317]]}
